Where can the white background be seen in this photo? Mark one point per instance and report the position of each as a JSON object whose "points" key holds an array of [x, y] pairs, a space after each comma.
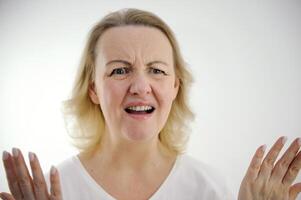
{"points": [[245, 57]]}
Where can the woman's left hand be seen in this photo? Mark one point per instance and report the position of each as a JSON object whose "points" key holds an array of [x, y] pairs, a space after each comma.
{"points": [[265, 180]]}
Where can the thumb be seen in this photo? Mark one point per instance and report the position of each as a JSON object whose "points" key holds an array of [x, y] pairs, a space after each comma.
{"points": [[294, 191]]}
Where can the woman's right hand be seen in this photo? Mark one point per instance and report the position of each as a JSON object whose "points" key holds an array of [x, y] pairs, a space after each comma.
{"points": [[22, 185]]}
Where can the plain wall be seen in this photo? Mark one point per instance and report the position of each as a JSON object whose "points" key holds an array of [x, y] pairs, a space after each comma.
{"points": [[245, 57]]}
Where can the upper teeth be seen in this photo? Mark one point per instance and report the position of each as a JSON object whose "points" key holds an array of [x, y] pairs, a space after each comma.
{"points": [[140, 108]]}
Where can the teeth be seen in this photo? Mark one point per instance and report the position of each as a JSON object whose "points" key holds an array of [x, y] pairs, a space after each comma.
{"points": [[140, 108]]}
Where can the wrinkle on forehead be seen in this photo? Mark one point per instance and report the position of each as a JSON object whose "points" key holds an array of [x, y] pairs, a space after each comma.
{"points": [[133, 43]]}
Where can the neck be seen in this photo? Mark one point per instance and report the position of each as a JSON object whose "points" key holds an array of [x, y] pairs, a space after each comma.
{"points": [[132, 155]]}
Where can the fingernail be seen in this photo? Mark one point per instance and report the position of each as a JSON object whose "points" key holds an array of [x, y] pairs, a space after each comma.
{"points": [[53, 170], [284, 139], [263, 147], [299, 141], [31, 156], [5, 155], [15, 152]]}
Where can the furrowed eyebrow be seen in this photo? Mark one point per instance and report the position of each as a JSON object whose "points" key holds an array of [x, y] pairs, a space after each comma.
{"points": [[157, 62], [127, 63], [120, 61]]}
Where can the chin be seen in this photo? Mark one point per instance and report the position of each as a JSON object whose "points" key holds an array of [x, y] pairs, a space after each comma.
{"points": [[139, 135]]}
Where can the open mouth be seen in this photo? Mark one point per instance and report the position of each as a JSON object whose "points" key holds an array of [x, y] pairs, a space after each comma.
{"points": [[140, 109]]}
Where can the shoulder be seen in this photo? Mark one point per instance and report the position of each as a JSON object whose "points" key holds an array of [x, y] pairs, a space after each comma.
{"points": [[71, 178], [197, 169], [68, 166], [76, 183], [201, 178], [72, 173], [65, 168]]}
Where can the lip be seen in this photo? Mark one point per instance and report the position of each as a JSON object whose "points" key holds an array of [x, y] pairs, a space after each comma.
{"points": [[139, 103], [139, 117]]}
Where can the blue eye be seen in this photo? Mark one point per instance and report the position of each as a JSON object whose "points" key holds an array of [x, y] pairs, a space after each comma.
{"points": [[157, 71], [120, 71]]}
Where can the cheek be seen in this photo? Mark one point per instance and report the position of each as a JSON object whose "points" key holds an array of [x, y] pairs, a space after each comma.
{"points": [[166, 93], [112, 95]]}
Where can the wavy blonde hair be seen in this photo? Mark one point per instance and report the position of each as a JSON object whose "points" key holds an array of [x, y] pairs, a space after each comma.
{"points": [[84, 119]]}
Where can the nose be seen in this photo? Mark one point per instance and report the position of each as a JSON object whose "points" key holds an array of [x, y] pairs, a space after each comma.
{"points": [[140, 85]]}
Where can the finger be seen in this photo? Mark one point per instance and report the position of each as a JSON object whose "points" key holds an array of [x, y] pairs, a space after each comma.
{"points": [[268, 162], [23, 176], [284, 162], [294, 191], [39, 183], [6, 196], [255, 164], [293, 171], [55, 187], [11, 176]]}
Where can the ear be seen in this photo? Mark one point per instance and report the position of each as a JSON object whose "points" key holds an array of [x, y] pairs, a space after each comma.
{"points": [[176, 87], [92, 93]]}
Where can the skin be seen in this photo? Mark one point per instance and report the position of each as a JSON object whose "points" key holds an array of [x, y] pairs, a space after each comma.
{"points": [[264, 180], [267, 179], [24, 186], [131, 149], [134, 64], [147, 55]]}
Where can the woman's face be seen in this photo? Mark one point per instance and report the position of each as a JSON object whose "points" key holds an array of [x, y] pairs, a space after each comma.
{"points": [[135, 82]]}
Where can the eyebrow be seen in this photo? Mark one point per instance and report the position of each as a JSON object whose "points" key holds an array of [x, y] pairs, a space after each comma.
{"points": [[128, 63], [120, 61]]}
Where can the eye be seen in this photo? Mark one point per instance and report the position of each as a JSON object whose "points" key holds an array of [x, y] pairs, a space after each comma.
{"points": [[120, 71], [157, 71]]}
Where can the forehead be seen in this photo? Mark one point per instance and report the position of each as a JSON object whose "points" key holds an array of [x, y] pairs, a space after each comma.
{"points": [[131, 41]]}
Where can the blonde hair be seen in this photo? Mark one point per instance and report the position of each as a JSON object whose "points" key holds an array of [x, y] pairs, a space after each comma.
{"points": [[84, 119]]}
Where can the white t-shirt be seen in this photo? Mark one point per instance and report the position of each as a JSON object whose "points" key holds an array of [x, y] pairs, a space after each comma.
{"points": [[189, 179]]}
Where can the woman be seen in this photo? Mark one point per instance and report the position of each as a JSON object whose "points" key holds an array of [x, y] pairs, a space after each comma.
{"points": [[128, 113]]}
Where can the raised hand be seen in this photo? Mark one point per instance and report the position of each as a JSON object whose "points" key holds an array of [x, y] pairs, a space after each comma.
{"points": [[22, 185], [265, 180]]}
